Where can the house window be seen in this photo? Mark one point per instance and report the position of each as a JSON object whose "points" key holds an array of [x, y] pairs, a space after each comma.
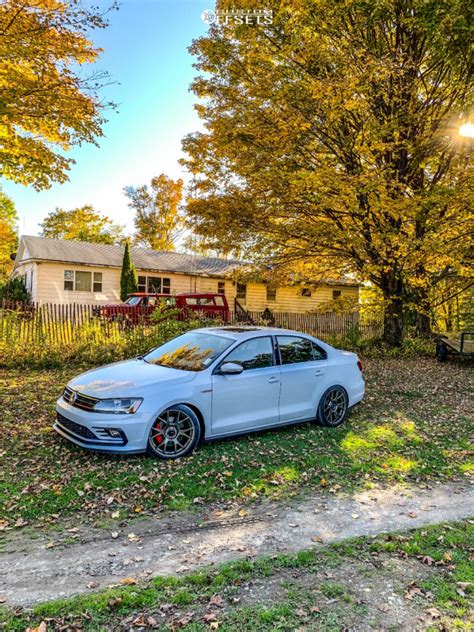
{"points": [[241, 291], [305, 291], [69, 279], [166, 285], [221, 287], [79, 281], [271, 293], [83, 281], [97, 282], [154, 285], [142, 284], [336, 294]]}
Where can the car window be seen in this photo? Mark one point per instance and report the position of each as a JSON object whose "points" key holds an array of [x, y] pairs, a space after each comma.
{"points": [[190, 352], [318, 352], [133, 300], [205, 300], [256, 353], [294, 349]]}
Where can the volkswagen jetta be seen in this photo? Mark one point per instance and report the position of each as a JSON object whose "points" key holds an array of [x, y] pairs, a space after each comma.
{"points": [[208, 384]]}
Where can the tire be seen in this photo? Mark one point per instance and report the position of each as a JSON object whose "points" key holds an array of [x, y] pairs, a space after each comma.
{"points": [[441, 351], [174, 434], [333, 407]]}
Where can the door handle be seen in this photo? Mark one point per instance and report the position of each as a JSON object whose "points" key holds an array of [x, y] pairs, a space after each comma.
{"points": [[319, 372], [273, 379]]}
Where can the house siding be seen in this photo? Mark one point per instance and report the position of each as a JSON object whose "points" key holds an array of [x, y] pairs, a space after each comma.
{"points": [[46, 285]]}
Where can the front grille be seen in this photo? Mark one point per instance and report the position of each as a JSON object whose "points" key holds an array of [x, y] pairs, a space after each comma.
{"points": [[77, 429], [78, 399]]}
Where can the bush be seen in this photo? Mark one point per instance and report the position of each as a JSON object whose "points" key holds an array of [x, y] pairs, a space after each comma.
{"points": [[39, 342], [14, 290]]}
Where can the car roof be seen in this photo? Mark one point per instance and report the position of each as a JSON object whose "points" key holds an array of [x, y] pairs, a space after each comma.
{"points": [[249, 331]]}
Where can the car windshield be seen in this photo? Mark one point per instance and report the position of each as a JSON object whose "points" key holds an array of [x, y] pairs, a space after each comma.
{"points": [[190, 352], [133, 300]]}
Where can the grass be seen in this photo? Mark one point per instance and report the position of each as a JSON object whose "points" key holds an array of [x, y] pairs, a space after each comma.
{"points": [[414, 426], [294, 595]]}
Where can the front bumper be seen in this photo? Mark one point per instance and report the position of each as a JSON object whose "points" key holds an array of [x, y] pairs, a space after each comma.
{"points": [[91, 430]]}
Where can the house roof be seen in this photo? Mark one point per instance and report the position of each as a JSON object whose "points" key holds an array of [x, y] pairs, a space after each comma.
{"points": [[86, 253]]}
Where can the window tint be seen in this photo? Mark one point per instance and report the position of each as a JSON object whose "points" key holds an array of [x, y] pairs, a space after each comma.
{"points": [[256, 353], [294, 349], [142, 284], [153, 285], [221, 287], [166, 289], [318, 352]]}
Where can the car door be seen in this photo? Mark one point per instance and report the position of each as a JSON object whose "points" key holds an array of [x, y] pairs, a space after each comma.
{"points": [[249, 399], [302, 373]]}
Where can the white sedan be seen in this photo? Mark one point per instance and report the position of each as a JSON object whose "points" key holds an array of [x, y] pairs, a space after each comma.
{"points": [[208, 384]]}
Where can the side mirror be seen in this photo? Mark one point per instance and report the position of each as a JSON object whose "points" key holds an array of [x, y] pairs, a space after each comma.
{"points": [[231, 368]]}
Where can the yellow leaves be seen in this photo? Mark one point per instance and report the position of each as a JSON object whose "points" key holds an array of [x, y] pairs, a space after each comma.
{"points": [[32, 91]]}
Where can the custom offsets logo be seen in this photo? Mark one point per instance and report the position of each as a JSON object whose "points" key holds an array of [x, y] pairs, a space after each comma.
{"points": [[238, 16]]}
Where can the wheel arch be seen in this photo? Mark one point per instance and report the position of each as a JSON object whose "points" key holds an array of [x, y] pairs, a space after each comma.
{"points": [[199, 415]]}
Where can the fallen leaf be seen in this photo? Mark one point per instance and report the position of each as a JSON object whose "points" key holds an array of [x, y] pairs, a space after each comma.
{"points": [[316, 538], [128, 581], [243, 513], [92, 584], [216, 600]]}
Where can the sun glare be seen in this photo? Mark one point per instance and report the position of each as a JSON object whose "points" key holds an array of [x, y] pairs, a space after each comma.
{"points": [[467, 129]]}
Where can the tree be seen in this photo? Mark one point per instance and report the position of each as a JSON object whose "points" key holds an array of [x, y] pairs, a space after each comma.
{"points": [[157, 212], [8, 235], [14, 290], [46, 105], [128, 277], [81, 224], [331, 142]]}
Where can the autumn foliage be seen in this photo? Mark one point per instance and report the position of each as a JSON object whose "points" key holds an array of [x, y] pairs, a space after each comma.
{"points": [[331, 144]]}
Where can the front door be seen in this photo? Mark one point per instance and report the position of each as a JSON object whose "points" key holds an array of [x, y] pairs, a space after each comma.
{"points": [[249, 399], [303, 370]]}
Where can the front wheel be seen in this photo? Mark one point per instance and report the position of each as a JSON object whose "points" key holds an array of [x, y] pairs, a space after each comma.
{"points": [[333, 407], [174, 434]]}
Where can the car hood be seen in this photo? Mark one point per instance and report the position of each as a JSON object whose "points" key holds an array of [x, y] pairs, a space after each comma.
{"points": [[124, 379]]}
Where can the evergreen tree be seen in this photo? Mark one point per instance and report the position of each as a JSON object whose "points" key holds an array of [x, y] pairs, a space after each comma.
{"points": [[128, 278]]}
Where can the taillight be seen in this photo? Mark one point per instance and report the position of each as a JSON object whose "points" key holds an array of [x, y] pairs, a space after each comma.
{"points": [[359, 364]]}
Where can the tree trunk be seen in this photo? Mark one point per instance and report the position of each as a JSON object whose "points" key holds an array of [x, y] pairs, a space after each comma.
{"points": [[392, 288], [393, 322]]}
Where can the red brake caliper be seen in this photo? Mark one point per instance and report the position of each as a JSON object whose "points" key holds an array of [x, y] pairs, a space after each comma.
{"points": [[158, 438]]}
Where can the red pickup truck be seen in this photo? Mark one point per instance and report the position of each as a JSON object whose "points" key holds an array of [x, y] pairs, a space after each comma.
{"points": [[140, 305]]}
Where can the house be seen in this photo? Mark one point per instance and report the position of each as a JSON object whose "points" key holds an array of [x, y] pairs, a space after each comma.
{"points": [[58, 271]]}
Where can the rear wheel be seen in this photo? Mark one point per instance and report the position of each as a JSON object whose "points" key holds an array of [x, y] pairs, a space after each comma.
{"points": [[174, 434], [333, 407]]}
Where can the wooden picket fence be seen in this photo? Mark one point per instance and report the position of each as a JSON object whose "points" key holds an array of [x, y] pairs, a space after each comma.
{"points": [[55, 323]]}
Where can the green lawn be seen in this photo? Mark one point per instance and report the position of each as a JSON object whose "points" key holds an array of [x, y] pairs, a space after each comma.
{"points": [[414, 425], [365, 583]]}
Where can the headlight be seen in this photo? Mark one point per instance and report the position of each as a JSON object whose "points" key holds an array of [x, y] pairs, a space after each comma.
{"points": [[124, 405]]}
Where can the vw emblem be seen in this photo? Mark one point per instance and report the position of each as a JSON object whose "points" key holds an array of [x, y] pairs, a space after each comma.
{"points": [[73, 397]]}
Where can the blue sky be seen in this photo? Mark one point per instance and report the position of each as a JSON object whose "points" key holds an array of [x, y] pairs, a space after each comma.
{"points": [[145, 51]]}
